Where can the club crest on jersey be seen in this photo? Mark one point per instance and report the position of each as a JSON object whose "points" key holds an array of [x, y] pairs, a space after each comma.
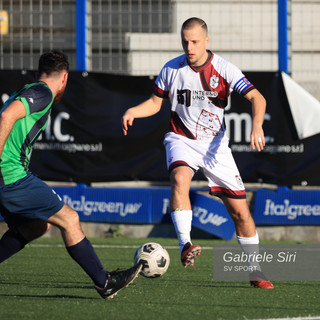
{"points": [[214, 82]]}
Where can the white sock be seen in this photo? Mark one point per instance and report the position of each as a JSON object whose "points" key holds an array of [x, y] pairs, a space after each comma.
{"points": [[182, 222], [250, 246]]}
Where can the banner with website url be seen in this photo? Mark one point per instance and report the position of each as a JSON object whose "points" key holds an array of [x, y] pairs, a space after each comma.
{"points": [[287, 207], [84, 142]]}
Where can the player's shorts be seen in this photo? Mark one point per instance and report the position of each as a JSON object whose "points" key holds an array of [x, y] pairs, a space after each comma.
{"points": [[28, 198], [213, 158]]}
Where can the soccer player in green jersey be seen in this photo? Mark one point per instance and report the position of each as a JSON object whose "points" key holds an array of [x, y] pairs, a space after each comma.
{"points": [[29, 206]]}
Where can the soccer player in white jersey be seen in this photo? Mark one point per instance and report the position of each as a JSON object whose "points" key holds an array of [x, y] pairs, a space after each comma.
{"points": [[198, 84]]}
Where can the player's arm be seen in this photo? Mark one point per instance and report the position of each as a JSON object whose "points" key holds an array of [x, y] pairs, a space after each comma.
{"points": [[145, 109], [258, 103], [8, 117]]}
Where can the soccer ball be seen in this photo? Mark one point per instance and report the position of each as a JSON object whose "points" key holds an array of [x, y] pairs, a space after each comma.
{"points": [[154, 258]]}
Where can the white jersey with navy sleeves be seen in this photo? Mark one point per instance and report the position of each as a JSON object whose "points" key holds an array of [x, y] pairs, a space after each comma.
{"points": [[199, 96]]}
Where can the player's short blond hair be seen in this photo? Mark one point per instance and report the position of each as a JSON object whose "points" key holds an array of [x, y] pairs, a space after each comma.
{"points": [[194, 21]]}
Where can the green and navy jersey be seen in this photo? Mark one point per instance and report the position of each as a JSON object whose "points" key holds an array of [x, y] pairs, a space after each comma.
{"points": [[37, 99]]}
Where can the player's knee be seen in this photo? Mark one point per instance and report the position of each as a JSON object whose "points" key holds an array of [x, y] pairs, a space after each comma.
{"points": [[66, 218], [240, 217], [179, 178], [72, 218]]}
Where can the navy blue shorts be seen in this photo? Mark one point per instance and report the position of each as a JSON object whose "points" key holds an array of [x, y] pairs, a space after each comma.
{"points": [[28, 198]]}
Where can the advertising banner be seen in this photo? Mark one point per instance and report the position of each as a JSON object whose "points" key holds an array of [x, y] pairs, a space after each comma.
{"points": [[211, 216], [112, 205], [287, 207], [286, 159], [143, 206], [84, 141]]}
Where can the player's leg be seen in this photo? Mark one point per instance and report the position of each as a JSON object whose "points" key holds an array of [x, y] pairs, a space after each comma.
{"points": [[180, 178], [81, 250], [240, 214], [11, 243], [181, 213], [225, 182], [67, 220], [15, 239], [247, 238], [35, 200], [77, 245], [180, 206], [34, 229], [182, 166]]}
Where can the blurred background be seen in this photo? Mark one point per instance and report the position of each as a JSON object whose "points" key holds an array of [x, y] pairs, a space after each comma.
{"points": [[136, 37]]}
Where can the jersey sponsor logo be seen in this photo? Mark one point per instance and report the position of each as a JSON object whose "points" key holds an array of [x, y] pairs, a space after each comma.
{"points": [[31, 100], [214, 82], [184, 96], [200, 95]]}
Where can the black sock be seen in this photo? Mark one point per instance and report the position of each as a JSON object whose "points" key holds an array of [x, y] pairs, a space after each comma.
{"points": [[11, 242], [84, 254]]}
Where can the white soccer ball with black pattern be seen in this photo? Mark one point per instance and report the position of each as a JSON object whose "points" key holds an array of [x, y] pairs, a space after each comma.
{"points": [[154, 258]]}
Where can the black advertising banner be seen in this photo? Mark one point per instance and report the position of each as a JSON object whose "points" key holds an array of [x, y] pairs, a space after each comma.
{"points": [[285, 160], [84, 141]]}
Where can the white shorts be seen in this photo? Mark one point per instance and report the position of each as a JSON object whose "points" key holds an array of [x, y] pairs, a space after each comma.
{"points": [[213, 158]]}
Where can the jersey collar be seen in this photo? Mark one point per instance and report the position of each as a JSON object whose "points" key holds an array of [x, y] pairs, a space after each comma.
{"points": [[204, 66]]}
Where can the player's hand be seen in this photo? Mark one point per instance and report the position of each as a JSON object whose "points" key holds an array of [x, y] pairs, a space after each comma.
{"points": [[127, 120], [257, 140]]}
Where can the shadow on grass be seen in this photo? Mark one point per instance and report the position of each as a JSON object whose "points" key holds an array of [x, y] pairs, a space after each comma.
{"points": [[55, 296], [41, 285]]}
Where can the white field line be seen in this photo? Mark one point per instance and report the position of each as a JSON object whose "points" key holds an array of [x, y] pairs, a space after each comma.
{"points": [[107, 246], [120, 246]]}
